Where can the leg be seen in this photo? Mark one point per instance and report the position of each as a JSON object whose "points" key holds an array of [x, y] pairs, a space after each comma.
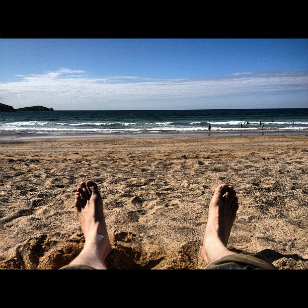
{"points": [[222, 213], [89, 208]]}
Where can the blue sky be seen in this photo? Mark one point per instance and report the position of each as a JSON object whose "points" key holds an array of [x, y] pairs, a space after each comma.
{"points": [[154, 73]]}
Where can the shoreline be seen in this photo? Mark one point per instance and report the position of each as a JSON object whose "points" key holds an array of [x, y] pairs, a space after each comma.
{"points": [[23, 136]]}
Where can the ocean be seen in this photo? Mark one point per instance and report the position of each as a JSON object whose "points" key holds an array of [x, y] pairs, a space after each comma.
{"points": [[70, 123]]}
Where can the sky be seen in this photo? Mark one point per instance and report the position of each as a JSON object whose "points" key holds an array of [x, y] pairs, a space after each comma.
{"points": [[130, 74]]}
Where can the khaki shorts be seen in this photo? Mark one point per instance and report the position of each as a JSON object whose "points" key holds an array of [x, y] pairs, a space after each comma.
{"points": [[241, 261]]}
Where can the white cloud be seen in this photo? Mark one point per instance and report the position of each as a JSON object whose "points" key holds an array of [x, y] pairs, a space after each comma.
{"points": [[74, 89]]}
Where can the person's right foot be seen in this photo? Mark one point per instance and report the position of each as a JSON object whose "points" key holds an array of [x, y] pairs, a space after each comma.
{"points": [[222, 212], [89, 208]]}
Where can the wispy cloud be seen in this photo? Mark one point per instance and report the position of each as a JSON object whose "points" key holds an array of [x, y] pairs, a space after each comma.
{"points": [[75, 89]]}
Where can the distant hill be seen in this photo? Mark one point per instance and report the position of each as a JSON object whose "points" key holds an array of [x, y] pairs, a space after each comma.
{"points": [[7, 108], [35, 108]]}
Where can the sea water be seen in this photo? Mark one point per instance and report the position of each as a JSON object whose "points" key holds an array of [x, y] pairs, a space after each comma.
{"points": [[29, 124]]}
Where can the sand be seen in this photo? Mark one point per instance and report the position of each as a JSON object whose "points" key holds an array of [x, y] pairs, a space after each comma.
{"points": [[156, 193]]}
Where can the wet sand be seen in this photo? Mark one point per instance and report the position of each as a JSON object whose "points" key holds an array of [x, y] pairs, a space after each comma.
{"points": [[156, 193]]}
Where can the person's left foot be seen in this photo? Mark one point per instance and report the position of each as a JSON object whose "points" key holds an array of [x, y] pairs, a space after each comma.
{"points": [[89, 208]]}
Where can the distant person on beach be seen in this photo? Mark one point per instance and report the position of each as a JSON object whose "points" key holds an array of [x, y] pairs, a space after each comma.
{"points": [[222, 212], [209, 128], [262, 126]]}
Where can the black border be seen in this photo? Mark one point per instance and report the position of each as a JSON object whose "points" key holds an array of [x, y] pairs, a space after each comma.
{"points": [[152, 19]]}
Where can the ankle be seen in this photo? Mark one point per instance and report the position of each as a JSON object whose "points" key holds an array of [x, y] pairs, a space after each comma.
{"points": [[215, 252], [94, 254], [213, 248]]}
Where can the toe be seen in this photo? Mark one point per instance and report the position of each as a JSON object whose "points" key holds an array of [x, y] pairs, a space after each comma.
{"points": [[86, 192], [230, 195], [81, 193], [82, 184], [92, 187], [78, 201], [234, 203], [220, 190]]}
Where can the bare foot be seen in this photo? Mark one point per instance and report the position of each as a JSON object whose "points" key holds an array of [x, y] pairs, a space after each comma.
{"points": [[222, 212], [89, 208]]}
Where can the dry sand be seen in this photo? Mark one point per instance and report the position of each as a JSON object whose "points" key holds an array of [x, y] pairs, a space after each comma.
{"points": [[156, 193]]}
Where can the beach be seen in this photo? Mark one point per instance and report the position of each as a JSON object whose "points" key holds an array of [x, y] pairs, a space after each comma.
{"points": [[156, 192]]}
